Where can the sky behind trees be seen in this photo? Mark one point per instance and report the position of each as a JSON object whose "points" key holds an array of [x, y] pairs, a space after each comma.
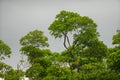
{"points": [[18, 17]]}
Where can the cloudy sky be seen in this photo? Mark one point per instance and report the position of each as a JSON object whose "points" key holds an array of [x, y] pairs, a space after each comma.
{"points": [[18, 17]]}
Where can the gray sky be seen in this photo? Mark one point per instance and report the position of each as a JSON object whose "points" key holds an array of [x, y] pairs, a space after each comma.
{"points": [[18, 17]]}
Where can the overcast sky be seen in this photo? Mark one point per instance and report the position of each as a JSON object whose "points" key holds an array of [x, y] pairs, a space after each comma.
{"points": [[18, 17]]}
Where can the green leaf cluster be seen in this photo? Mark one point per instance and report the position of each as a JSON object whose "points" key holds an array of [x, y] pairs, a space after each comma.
{"points": [[5, 50]]}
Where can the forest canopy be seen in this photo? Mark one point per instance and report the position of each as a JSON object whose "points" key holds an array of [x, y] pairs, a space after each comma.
{"points": [[85, 57]]}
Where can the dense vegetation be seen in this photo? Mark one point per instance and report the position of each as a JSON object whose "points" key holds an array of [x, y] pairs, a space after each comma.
{"points": [[85, 57]]}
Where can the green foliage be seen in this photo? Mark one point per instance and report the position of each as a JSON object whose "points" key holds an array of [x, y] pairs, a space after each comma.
{"points": [[83, 59], [5, 50], [8, 73], [36, 72], [58, 73], [34, 38], [4, 68], [50, 78], [38, 58], [14, 75], [31, 44], [32, 52], [61, 24], [116, 38], [38, 69], [84, 47], [97, 50], [67, 22], [113, 59]]}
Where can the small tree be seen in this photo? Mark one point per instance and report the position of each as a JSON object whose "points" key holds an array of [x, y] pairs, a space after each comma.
{"points": [[31, 44]]}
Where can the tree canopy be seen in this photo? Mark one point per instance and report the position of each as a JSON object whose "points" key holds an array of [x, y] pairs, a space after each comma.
{"points": [[85, 42], [31, 44], [114, 53], [85, 56]]}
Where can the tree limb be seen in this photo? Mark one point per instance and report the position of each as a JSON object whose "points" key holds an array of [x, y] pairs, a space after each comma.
{"points": [[65, 41], [68, 40]]}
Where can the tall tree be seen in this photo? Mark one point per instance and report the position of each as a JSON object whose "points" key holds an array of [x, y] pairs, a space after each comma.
{"points": [[84, 42]]}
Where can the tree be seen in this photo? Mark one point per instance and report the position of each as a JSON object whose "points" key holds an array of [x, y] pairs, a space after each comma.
{"points": [[5, 50], [31, 44], [84, 43], [114, 54]]}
